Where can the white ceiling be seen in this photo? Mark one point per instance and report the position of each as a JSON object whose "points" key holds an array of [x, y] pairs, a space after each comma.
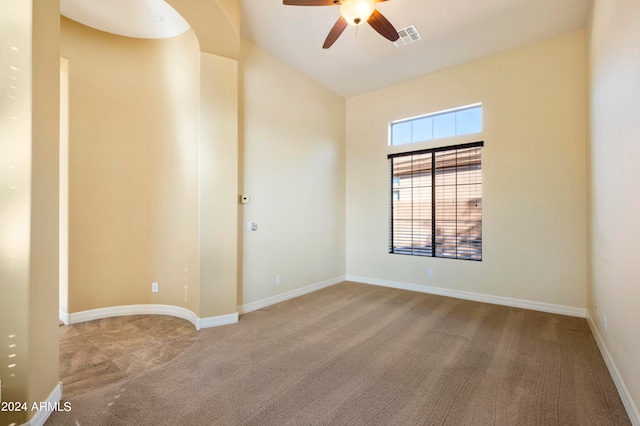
{"points": [[453, 32], [130, 18]]}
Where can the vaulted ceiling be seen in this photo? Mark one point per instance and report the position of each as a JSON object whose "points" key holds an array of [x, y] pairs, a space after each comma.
{"points": [[360, 61], [452, 31]]}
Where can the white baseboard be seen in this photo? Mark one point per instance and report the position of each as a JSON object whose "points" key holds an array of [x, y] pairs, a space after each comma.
{"points": [[118, 311], [175, 311], [625, 396], [64, 317], [478, 297], [52, 403], [259, 304], [217, 321]]}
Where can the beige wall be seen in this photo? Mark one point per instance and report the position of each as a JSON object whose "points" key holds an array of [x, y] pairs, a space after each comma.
{"points": [[43, 292], [63, 245], [218, 186], [215, 22], [29, 105], [534, 192], [15, 201], [614, 289], [292, 131], [133, 195]]}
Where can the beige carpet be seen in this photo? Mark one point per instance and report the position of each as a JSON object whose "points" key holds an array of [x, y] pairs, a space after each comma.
{"points": [[354, 354], [97, 353]]}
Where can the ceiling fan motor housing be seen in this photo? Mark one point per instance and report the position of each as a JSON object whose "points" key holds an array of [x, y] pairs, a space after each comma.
{"points": [[352, 12]]}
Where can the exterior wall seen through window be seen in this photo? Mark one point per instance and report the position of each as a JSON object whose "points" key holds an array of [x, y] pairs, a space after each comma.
{"points": [[436, 202]]}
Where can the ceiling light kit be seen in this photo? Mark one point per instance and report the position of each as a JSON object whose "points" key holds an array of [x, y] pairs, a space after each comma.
{"points": [[356, 11], [352, 12]]}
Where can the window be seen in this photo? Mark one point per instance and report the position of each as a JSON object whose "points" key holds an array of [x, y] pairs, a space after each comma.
{"points": [[436, 202], [459, 121]]}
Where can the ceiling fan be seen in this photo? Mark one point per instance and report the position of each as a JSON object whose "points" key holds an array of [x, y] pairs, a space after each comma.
{"points": [[352, 12]]}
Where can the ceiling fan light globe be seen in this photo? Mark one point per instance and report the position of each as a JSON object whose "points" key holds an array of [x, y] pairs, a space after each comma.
{"points": [[357, 12]]}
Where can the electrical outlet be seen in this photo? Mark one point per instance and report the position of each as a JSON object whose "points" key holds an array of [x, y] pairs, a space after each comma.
{"points": [[430, 273], [154, 287], [604, 322], [278, 279]]}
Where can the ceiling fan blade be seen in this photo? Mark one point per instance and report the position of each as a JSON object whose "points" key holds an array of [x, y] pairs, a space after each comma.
{"points": [[383, 26], [309, 2], [335, 32]]}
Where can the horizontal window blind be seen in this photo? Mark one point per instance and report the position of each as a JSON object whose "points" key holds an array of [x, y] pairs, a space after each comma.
{"points": [[436, 202]]}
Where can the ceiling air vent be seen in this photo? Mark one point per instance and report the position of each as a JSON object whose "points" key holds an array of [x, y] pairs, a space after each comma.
{"points": [[407, 35]]}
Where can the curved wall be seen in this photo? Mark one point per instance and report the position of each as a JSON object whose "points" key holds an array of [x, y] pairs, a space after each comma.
{"points": [[133, 168]]}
